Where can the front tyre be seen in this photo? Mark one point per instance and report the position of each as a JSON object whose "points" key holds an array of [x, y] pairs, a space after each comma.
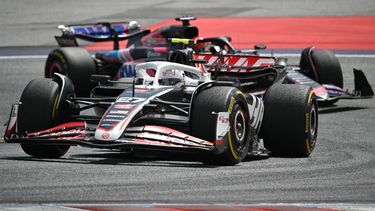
{"points": [[37, 112], [204, 111], [323, 67], [290, 123]]}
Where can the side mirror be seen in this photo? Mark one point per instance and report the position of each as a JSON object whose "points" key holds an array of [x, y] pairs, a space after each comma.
{"points": [[214, 49], [281, 61]]}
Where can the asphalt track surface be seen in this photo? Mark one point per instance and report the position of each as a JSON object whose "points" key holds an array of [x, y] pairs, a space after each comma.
{"points": [[341, 169]]}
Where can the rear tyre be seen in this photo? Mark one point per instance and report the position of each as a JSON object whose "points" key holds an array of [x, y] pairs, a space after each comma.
{"points": [[290, 123], [323, 67], [76, 63], [203, 122], [37, 112]]}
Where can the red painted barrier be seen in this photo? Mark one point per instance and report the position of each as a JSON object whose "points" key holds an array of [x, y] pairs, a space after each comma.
{"points": [[336, 33]]}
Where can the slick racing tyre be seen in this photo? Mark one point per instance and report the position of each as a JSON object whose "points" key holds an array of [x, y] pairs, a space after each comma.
{"points": [[74, 62], [323, 67], [290, 122], [37, 112], [204, 111]]}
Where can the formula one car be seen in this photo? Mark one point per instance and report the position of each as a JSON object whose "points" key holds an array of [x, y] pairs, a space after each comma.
{"points": [[214, 111]]}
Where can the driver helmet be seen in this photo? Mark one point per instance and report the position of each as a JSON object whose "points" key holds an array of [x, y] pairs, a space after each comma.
{"points": [[134, 25], [170, 77]]}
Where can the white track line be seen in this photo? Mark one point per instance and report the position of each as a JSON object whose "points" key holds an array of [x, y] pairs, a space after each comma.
{"points": [[24, 57]]}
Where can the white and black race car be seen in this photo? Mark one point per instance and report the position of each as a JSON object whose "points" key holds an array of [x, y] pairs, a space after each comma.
{"points": [[221, 111]]}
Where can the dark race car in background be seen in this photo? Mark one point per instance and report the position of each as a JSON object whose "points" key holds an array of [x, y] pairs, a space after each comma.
{"points": [[318, 69]]}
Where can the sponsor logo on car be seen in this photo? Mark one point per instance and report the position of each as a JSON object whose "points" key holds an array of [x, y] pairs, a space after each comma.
{"points": [[124, 106], [98, 29], [105, 135], [115, 116], [130, 100], [127, 70], [118, 112]]}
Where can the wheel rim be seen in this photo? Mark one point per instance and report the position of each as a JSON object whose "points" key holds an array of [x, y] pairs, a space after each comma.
{"points": [[313, 124], [54, 68], [240, 126]]}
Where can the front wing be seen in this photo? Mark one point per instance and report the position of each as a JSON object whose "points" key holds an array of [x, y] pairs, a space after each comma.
{"points": [[328, 92], [145, 137]]}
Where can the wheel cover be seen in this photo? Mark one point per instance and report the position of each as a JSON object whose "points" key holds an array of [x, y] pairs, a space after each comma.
{"points": [[240, 126], [54, 68]]}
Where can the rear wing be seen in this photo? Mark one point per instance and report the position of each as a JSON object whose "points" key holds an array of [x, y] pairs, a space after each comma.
{"points": [[99, 32], [234, 63]]}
